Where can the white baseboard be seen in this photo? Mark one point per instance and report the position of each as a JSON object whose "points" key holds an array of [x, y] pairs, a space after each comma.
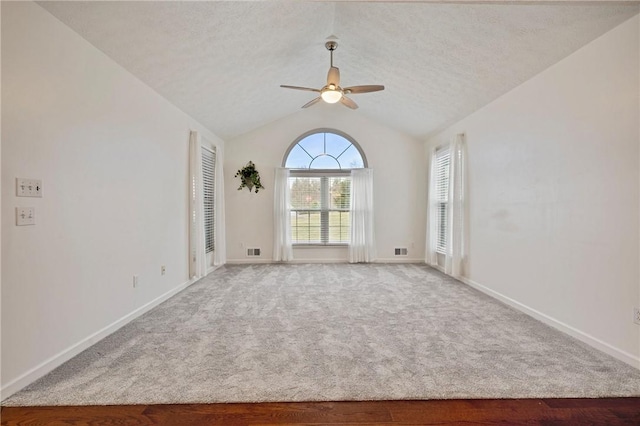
{"points": [[294, 261], [441, 269], [605, 347], [384, 260], [55, 361], [245, 261], [399, 259], [210, 269]]}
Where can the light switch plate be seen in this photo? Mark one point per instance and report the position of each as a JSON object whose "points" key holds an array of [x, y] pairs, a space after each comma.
{"points": [[25, 216], [28, 187]]}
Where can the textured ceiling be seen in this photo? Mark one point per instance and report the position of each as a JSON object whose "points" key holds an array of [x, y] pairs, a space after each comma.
{"points": [[223, 62]]}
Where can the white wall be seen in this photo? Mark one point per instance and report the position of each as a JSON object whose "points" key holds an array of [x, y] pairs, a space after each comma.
{"points": [[399, 184], [113, 157], [554, 190]]}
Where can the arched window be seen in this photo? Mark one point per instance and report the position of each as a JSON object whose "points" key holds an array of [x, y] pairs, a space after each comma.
{"points": [[324, 150], [320, 186]]}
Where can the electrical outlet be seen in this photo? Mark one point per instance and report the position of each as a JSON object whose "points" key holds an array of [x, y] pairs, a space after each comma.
{"points": [[636, 315], [25, 216], [136, 281], [163, 270]]}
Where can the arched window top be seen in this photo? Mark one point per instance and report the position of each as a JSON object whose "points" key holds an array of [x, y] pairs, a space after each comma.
{"points": [[324, 149]]}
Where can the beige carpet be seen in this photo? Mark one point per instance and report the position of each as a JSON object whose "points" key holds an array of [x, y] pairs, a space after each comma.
{"points": [[330, 332]]}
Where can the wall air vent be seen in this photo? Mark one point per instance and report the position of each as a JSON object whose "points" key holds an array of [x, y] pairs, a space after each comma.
{"points": [[252, 252], [401, 251]]}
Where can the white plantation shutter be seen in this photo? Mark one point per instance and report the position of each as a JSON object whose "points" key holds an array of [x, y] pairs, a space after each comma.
{"points": [[442, 161], [208, 180]]}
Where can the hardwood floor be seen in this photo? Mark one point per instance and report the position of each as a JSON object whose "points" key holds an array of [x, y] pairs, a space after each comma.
{"points": [[606, 411]]}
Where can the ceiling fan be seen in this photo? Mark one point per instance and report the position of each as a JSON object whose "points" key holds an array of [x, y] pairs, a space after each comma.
{"points": [[332, 92]]}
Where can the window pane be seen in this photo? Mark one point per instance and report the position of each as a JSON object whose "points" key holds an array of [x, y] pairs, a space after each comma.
{"points": [[305, 193], [298, 158], [313, 144], [315, 231], [340, 193], [442, 228], [442, 195], [324, 162], [305, 227], [336, 144], [208, 187], [339, 227], [442, 176], [351, 159]]}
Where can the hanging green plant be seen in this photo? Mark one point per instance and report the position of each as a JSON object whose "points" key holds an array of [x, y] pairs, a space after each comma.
{"points": [[249, 177]]}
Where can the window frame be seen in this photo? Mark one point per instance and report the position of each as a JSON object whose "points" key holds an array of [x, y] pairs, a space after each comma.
{"points": [[324, 210], [323, 174]]}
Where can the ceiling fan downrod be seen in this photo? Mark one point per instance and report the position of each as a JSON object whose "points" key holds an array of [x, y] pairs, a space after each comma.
{"points": [[331, 46]]}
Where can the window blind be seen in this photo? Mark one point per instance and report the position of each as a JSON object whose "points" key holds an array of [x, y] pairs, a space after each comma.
{"points": [[208, 180], [443, 159], [320, 209]]}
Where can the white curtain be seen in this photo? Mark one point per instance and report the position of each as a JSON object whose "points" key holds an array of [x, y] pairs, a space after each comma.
{"points": [[362, 247], [431, 255], [220, 252], [197, 254], [454, 257], [282, 248], [456, 212]]}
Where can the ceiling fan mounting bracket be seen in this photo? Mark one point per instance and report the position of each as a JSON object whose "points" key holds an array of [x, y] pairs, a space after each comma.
{"points": [[331, 45]]}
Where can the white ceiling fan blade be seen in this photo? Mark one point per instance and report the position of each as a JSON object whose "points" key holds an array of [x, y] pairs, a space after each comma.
{"points": [[308, 89], [311, 102], [333, 77], [363, 89], [348, 102]]}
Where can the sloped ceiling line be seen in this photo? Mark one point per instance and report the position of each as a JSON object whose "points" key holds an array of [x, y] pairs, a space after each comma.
{"points": [[223, 62]]}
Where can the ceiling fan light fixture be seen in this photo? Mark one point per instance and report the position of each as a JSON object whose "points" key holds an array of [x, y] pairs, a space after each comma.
{"points": [[331, 96], [332, 93]]}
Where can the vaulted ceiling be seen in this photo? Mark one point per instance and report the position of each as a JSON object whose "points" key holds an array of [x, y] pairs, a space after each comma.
{"points": [[223, 62]]}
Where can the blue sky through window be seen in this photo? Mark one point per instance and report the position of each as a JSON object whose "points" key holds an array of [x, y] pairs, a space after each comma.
{"points": [[298, 159], [324, 151]]}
